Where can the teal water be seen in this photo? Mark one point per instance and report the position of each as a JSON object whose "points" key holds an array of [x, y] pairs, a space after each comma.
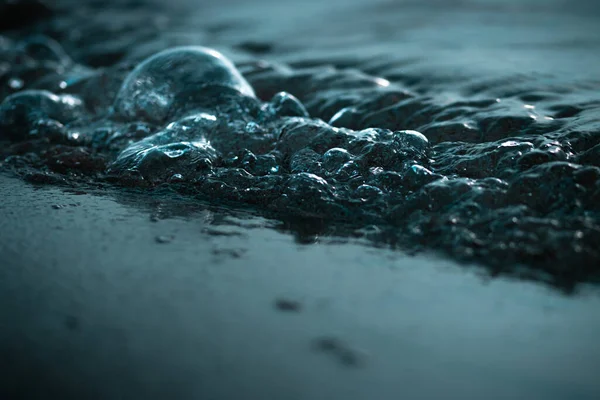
{"points": [[463, 127]]}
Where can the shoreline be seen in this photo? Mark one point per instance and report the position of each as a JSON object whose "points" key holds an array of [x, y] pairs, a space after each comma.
{"points": [[93, 296]]}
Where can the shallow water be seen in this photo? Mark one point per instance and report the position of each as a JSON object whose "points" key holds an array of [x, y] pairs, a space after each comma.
{"points": [[468, 127], [166, 297]]}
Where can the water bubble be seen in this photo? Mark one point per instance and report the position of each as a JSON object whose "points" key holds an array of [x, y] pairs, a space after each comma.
{"points": [[496, 182], [347, 117], [157, 164], [21, 112], [284, 104], [263, 164], [387, 180], [181, 148], [298, 133], [367, 193], [196, 125], [348, 171], [308, 192], [417, 176], [413, 139], [334, 158], [382, 155], [150, 89], [176, 178], [306, 160], [218, 99]]}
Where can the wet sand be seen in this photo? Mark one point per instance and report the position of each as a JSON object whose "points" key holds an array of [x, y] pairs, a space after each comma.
{"points": [[107, 298]]}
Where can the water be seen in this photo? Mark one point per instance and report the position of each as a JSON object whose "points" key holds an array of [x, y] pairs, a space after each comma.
{"points": [[470, 128], [235, 303]]}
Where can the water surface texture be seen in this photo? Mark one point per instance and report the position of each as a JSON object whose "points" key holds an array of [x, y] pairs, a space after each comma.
{"points": [[466, 127]]}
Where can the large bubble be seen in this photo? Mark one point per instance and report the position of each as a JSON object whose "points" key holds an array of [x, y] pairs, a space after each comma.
{"points": [[149, 91]]}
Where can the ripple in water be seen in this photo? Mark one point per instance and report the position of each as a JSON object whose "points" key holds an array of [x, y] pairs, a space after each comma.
{"points": [[492, 180]]}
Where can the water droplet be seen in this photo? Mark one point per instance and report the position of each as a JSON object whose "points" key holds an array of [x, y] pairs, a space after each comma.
{"points": [[16, 83]]}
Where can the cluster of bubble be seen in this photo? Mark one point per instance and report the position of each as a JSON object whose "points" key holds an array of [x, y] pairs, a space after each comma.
{"points": [[188, 118]]}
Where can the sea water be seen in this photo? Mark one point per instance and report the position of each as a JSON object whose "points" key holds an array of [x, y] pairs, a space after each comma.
{"points": [[471, 128]]}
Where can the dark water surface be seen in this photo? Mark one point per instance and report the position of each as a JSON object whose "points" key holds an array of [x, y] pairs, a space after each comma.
{"points": [[180, 228], [466, 127], [99, 301], [366, 130]]}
